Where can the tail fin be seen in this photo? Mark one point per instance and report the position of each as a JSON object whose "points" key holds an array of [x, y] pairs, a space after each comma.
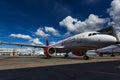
{"points": [[116, 35], [47, 43]]}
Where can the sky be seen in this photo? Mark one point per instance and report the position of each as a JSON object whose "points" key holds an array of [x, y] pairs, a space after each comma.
{"points": [[32, 21]]}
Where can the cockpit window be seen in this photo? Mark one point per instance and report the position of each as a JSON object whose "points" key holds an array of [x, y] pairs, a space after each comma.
{"points": [[94, 33], [91, 34]]}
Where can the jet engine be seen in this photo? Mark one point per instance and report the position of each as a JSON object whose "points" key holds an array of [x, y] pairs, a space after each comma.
{"points": [[49, 51]]}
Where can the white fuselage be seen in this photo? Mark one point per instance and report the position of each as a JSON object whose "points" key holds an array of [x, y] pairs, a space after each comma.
{"points": [[87, 41]]}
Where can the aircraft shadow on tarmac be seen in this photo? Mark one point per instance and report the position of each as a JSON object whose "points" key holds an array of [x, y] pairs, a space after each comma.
{"points": [[109, 70]]}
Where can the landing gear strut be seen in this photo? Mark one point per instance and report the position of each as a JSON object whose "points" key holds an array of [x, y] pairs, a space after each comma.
{"points": [[85, 57], [101, 55]]}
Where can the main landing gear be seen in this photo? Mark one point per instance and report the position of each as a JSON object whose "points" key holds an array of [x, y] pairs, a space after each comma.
{"points": [[85, 57], [66, 55], [112, 55]]}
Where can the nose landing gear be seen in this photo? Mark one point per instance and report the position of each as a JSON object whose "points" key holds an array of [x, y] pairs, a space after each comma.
{"points": [[85, 57]]}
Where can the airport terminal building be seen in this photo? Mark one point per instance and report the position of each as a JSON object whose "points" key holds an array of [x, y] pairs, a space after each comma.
{"points": [[20, 52]]}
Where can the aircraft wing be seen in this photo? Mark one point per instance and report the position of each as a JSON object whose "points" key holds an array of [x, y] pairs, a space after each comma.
{"points": [[28, 45]]}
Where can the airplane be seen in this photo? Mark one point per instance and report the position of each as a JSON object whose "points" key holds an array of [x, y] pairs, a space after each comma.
{"points": [[77, 44], [112, 50]]}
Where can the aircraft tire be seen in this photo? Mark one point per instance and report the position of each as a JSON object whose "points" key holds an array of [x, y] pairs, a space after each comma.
{"points": [[112, 55], [85, 57], [66, 55]]}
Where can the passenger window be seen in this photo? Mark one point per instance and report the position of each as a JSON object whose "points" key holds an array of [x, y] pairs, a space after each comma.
{"points": [[94, 33]]}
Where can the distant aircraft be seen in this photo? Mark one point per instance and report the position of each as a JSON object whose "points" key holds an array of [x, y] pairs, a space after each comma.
{"points": [[112, 50], [78, 44]]}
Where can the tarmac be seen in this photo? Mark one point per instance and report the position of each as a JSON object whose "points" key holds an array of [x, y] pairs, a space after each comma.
{"points": [[58, 68]]}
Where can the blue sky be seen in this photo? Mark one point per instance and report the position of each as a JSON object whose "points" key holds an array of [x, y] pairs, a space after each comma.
{"points": [[32, 21]]}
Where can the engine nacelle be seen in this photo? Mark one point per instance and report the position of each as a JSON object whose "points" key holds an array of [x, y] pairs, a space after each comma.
{"points": [[49, 51], [78, 53]]}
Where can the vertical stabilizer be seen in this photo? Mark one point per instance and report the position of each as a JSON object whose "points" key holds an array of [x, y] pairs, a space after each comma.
{"points": [[116, 35], [46, 49], [47, 43]]}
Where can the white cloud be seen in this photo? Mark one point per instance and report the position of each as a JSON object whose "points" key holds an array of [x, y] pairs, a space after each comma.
{"points": [[73, 25], [94, 22], [114, 12], [45, 32], [52, 30], [52, 42], [68, 23], [41, 33], [67, 34], [21, 36], [36, 41]]}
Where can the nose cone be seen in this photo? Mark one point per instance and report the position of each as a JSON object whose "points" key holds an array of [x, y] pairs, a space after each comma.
{"points": [[109, 39]]}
